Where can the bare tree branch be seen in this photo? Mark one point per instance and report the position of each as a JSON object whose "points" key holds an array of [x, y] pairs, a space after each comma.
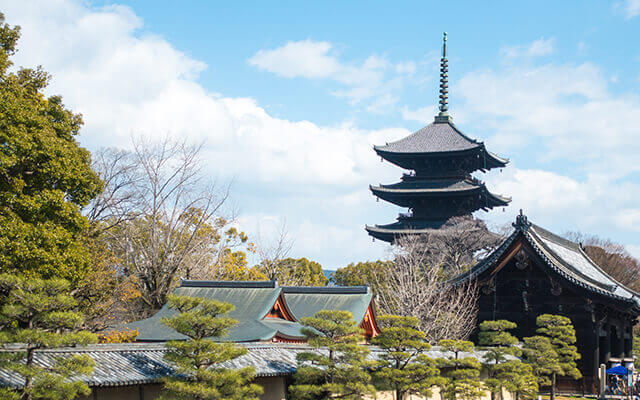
{"points": [[415, 287], [273, 252], [163, 220]]}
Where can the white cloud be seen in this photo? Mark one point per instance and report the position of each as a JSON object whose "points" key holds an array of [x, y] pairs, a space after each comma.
{"points": [[422, 114], [634, 250], [537, 48], [316, 176], [596, 204], [375, 77], [567, 110], [307, 59], [125, 82], [631, 8]]}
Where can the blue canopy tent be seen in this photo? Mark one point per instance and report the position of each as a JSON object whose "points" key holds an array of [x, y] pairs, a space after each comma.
{"points": [[617, 370]]}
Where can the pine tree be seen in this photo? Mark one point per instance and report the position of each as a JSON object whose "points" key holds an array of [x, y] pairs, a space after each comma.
{"points": [[37, 314], [553, 352], [543, 359], [517, 377], [338, 367], [504, 372], [199, 358], [461, 375], [403, 366]]}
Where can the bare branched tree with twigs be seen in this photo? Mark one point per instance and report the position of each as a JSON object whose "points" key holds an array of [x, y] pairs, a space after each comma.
{"points": [[161, 217], [459, 243], [416, 286], [271, 253], [119, 200]]}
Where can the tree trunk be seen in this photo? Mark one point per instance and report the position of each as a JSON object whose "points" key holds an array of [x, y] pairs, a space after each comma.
{"points": [[26, 391], [552, 396]]}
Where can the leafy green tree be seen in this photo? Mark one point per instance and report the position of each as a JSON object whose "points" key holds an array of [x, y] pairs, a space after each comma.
{"points": [[293, 272], [301, 272], [199, 357], [505, 373], [371, 273], [46, 176], [561, 336], [403, 366], [38, 314], [338, 368], [461, 374]]}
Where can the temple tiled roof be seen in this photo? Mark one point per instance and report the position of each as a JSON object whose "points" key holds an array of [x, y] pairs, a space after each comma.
{"points": [[435, 137], [561, 255], [253, 301], [143, 363]]}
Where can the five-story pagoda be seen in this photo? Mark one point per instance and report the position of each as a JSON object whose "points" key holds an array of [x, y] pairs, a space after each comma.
{"points": [[441, 159]]}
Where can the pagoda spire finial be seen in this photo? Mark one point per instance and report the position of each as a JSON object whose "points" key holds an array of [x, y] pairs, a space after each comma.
{"points": [[444, 116]]}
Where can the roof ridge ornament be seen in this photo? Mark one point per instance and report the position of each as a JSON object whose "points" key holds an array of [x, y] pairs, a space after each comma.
{"points": [[444, 116], [522, 222]]}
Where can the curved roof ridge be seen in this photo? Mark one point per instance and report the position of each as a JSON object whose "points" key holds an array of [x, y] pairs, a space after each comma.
{"points": [[575, 247]]}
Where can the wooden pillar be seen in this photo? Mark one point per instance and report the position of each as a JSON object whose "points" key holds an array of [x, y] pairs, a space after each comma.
{"points": [[628, 340], [596, 350], [607, 344]]}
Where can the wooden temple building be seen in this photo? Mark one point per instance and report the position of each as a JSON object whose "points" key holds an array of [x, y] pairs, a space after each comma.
{"points": [[439, 186], [536, 272]]}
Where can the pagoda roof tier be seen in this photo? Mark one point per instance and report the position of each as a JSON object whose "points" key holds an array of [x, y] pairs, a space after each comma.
{"points": [[408, 193], [389, 232], [438, 140]]}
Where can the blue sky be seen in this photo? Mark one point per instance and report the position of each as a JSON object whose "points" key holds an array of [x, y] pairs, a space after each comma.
{"points": [[289, 97]]}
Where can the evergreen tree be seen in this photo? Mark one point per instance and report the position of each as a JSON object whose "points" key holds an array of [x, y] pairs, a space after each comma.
{"points": [[517, 377], [403, 366], [38, 314], [461, 375], [542, 357], [555, 335], [46, 176], [505, 373], [199, 358], [338, 367]]}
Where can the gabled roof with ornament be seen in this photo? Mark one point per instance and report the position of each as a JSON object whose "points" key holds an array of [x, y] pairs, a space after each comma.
{"points": [[562, 256]]}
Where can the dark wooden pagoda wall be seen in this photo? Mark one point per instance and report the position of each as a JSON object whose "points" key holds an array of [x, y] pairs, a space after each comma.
{"points": [[523, 289]]}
